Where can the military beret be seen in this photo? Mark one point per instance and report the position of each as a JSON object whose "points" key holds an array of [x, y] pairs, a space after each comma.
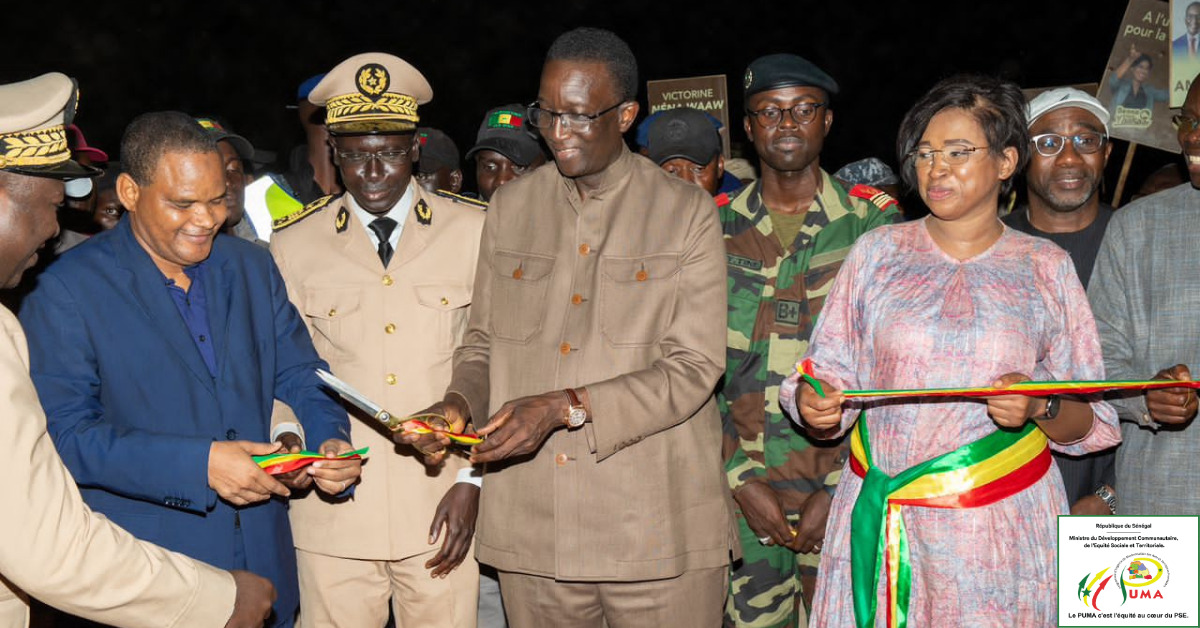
{"points": [[782, 70], [33, 140], [373, 92]]}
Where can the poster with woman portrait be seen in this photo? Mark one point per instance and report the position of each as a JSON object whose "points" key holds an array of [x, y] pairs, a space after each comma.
{"points": [[1135, 87]]}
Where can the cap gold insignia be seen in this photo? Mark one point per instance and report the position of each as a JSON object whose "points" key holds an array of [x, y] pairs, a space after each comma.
{"points": [[343, 219], [424, 213], [34, 148], [749, 78], [373, 80]]}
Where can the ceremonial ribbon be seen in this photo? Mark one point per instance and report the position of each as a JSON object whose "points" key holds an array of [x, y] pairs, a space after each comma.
{"points": [[418, 426], [1029, 388], [986, 471], [275, 464]]}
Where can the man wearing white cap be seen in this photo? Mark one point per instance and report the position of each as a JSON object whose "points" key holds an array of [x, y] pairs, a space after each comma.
{"points": [[55, 548], [383, 277], [1070, 137]]}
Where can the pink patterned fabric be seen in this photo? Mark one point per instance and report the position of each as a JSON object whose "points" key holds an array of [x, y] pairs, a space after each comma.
{"points": [[903, 314]]}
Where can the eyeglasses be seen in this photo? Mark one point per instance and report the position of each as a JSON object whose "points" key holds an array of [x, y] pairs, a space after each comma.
{"points": [[1185, 123], [802, 113], [957, 156], [578, 122], [1051, 144], [395, 156]]}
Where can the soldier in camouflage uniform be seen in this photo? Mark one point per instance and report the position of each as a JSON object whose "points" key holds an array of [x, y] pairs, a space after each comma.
{"points": [[786, 236]]}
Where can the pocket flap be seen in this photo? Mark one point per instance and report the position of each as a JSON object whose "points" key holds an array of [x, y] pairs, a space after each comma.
{"points": [[443, 296], [522, 266], [622, 269], [330, 304]]}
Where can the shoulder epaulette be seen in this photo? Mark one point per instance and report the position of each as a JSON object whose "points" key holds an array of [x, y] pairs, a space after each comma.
{"points": [[462, 199], [875, 196], [721, 199], [300, 214]]}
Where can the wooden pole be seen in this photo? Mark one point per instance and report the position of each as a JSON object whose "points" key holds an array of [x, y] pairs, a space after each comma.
{"points": [[1116, 199]]}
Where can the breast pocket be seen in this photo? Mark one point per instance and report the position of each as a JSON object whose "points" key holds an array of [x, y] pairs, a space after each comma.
{"points": [[637, 298], [444, 306], [519, 284], [333, 315], [822, 270]]}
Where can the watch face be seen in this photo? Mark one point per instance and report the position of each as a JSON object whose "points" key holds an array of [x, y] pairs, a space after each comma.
{"points": [[576, 417]]}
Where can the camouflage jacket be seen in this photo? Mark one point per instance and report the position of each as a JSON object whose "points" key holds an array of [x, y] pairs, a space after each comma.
{"points": [[774, 299]]}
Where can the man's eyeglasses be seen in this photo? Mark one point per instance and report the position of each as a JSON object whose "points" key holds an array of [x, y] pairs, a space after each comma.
{"points": [[356, 158], [578, 122], [1185, 123], [802, 113], [956, 156], [1051, 144]]}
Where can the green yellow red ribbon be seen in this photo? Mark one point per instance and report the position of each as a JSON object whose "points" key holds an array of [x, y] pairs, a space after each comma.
{"points": [[275, 464], [417, 426], [988, 470], [1032, 389]]}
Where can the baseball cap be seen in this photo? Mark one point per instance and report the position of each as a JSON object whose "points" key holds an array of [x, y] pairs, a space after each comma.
{"points": [[504, 131], [79, 145], [682, 132], [1060, 97], [437, 150], [244, 149]]}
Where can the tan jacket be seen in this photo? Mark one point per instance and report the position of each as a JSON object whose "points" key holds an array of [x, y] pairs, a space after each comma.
{"points": [[390, 334], [62, 553], [623, 294]]}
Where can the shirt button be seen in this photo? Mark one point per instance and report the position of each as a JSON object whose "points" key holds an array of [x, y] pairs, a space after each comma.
{"points": [[576, 299], [230, 434], [387, 280], [564, 348], [201, 337], [584, 249], [332, 313], [561, 459], [390, 379], [518, 273], [390, 328], [641, 275], [445, 301]]}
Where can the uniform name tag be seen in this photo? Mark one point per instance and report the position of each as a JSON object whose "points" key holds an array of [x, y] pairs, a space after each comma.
{"points": [[787, 312], [744, 262]]}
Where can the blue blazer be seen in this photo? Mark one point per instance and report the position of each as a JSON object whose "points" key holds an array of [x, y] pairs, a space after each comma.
{"points": [[132, 407]]}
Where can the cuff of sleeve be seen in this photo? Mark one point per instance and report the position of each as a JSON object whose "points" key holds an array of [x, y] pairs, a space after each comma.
{"points": [[288, 428], [469, 475], [213, 601]]}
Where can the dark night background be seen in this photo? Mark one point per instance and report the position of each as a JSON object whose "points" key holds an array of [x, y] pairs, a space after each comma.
{"points": [[242, 61]]}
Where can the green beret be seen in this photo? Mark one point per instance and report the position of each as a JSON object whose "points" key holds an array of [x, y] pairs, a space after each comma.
{"points": [[782, 70]]}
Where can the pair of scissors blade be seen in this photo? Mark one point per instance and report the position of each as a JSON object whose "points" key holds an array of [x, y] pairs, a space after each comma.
{"points": [[358, 399]]}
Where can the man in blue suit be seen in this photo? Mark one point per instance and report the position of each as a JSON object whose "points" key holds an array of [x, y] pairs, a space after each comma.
{"points": [[158, 350], [1187, 45]]}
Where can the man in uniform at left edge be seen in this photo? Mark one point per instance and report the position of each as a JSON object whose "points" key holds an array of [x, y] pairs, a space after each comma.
{"points": [[383, 277], [157, 351]]}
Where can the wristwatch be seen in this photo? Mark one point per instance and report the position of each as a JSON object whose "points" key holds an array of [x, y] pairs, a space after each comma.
{"points": [[1051, 409], [576, 414], [1108, 497]]}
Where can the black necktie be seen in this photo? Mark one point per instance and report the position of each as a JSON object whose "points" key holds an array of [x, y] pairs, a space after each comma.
{"points": [[383, 227]]}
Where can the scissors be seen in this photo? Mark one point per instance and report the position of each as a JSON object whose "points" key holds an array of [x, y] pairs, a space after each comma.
{"points": [[431, 424]]}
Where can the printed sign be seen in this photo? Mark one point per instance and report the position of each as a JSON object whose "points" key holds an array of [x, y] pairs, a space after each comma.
{"points": [[706, 93], [1135, 84], [1127, 571], [1185, 47]]}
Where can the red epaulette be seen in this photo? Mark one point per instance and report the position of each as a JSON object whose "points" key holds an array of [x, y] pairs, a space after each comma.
{"points": [[721, 199], [875, 196]]}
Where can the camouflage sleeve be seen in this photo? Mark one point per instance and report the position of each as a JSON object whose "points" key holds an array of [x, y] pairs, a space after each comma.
{"points": [[742, 400]]}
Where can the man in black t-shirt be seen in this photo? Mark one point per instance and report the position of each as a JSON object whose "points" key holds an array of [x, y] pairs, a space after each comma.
{"points": [[1070, 135]]}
